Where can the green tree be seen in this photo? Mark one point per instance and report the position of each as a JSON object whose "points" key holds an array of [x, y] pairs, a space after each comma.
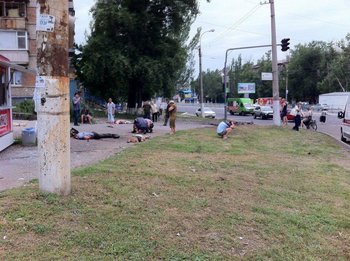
{"points": [[136, 48], [212, 86], [338, 68], [263, 88], [242, 73], [308, 67]]}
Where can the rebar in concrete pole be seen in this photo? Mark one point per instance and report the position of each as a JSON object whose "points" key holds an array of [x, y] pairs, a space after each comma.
{"points": [[53, 110], [275, 87]]}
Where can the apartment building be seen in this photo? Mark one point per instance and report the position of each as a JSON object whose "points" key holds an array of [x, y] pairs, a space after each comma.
{"points": [[18, 41]]}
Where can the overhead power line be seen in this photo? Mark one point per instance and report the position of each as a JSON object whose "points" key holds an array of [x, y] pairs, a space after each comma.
{"points": [[237, 23]]}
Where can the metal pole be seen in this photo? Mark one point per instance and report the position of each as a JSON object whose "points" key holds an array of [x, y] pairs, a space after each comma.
{"points": [[287, 82], [200, 69], [53, 110], [201, 77], [275, 87], [225, 72]]}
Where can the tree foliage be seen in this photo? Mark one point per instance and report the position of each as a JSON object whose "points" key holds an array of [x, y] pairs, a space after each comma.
{"points": [[136, 48]]}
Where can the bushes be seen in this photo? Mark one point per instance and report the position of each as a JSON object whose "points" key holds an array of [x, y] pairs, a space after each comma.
{"points": [[24, 110], [26, 106]]}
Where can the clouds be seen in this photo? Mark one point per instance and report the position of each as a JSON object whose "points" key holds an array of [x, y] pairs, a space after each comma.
{"points": [[246, 23], [83, 18]]}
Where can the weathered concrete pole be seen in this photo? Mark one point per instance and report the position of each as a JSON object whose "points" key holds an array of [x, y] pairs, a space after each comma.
{"points": [[52, 90]]}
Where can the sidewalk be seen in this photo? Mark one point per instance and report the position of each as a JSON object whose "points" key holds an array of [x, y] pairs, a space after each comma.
{"points": [[19, 164]]}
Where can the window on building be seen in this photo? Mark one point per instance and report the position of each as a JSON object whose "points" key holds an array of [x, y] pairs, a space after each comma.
{"points": [[13, 40], [16, 78], [21, 40], [12, 9]]}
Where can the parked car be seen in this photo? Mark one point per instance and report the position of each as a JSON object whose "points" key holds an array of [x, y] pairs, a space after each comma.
{"points": [[319, 107], [264, 112], [316, 107], [208, 113], [325, 107]]}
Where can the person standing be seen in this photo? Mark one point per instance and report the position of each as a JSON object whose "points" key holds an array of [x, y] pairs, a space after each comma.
{"points": [[110, 110], [323, 116], [166, 115], [76, 108], [284, 113], [155, 112], [147, 110], [297, 119], [172, 116]]}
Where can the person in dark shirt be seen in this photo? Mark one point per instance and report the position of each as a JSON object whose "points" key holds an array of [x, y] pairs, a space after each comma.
{"points": [[147, 110], [284, 113], [76, 108]]}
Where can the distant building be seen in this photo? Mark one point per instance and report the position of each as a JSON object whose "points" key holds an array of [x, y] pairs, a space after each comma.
{"points": [[18, 42]]}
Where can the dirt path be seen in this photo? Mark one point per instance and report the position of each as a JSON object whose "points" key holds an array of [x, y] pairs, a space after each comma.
{"points": [[19, 164]]}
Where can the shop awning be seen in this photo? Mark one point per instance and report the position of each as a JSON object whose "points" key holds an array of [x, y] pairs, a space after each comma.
{"points": [[6, 63]]}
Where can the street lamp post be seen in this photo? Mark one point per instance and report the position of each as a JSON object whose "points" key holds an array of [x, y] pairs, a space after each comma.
{"points": [[200, 69]]}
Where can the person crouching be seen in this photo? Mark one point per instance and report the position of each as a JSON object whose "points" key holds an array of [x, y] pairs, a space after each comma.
{"points": [[224, 128], [142, 125]]}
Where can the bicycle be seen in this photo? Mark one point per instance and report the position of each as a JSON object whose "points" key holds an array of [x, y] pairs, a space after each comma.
{"points": [[311, 123]]}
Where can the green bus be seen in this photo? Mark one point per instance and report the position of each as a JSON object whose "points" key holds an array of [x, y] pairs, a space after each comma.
{"points": [[241, 106]]}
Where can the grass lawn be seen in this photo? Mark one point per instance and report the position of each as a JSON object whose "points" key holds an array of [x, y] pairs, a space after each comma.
{"points": [[265, 193]]}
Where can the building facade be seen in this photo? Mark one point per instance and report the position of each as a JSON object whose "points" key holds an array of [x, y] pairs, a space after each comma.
{"points": [[18, 41]]}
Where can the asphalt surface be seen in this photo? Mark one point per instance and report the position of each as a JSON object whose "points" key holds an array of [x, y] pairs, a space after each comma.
{"points": [[19, 164]]}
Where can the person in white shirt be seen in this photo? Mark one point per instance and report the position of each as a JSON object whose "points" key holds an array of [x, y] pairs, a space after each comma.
{"points": [[110, 111]]}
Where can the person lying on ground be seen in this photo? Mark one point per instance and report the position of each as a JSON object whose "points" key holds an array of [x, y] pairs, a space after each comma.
{"points": [[224, 128], [142, 125], [122, 122], [137, 138], [91, 135]]}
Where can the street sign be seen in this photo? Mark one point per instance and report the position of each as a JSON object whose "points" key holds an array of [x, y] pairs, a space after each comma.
{"points": [[45, 23], [227, 79], [266, 76]]}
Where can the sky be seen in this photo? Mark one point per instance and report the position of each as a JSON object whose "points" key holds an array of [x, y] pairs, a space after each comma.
{"points": [[241, 23]]}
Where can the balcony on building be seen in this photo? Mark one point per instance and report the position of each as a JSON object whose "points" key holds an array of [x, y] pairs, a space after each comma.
{"points": [[13, 14]]}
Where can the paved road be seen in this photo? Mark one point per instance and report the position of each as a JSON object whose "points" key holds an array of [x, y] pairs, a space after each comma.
{"points": [[19, 164]]}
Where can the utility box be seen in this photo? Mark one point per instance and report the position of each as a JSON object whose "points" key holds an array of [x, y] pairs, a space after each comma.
{"points": [[28, 136]]}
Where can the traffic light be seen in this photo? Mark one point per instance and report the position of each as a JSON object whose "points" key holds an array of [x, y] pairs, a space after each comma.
{"points": [[284, 44]]}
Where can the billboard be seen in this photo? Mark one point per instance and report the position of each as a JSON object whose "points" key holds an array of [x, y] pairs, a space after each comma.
{"points": [[244, 87]]}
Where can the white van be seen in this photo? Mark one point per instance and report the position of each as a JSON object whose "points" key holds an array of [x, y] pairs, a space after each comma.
{"points": [[345, 126]]}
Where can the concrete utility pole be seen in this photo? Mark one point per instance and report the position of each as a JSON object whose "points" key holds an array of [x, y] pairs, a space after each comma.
{"points": [[275, 87], [53, 90], [200, 70]]}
